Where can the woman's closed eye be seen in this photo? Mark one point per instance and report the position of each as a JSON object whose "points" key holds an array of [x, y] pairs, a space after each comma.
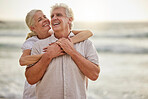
{"points": [[39, 19], [45, 16]]}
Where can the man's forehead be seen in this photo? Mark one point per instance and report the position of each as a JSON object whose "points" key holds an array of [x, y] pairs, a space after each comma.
{"points": [[58, 10]]}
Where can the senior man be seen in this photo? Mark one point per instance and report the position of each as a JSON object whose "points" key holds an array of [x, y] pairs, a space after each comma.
{"points": [[63, 77]]}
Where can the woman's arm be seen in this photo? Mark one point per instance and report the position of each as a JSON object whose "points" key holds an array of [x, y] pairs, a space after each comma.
{"points": [[81, 35], [27, 59]]}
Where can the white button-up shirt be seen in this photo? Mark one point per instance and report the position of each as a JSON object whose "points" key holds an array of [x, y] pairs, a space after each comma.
{"points": [[63, 79]]}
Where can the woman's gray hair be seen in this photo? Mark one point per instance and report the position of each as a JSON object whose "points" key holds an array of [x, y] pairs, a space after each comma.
{"points": [[30, 17], [30, 22], [68, 11]]}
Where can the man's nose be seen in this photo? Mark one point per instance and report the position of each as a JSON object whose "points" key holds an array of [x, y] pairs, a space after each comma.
{"points": [[54, 17]]}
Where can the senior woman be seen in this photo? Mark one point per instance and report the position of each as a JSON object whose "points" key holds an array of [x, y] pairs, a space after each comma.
{"points": [[39, 25]]}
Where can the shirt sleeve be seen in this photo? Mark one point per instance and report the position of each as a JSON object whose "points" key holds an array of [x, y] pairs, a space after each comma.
{"points": [[35, 49], [27, 44], [91, 53]]}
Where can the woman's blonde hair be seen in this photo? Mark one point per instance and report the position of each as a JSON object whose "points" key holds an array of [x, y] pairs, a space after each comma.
{"points": [[68, 11], [30, 22]]}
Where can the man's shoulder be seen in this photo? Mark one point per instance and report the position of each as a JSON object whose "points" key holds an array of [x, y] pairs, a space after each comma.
{"points": [[84, 44], [87, 41]]}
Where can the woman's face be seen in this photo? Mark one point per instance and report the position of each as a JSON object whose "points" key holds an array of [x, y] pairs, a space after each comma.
{"points": [[41, 25]]}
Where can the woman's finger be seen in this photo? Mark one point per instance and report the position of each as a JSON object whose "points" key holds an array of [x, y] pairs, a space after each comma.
{"points": [[45, 48], [70, 39], [59, 43]]}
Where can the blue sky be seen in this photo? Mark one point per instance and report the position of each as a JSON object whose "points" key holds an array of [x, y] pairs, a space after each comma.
{"points": [[84, 10]]}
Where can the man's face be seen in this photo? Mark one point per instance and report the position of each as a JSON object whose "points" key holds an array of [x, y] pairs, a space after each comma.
{"points": [[59, 20]]}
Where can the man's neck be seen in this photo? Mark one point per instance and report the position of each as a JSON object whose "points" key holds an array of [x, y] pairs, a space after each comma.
{"points": [[60, 34], [46, 35]]}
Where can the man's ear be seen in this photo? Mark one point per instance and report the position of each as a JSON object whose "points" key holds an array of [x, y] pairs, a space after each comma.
{"points": [[70, 20]]}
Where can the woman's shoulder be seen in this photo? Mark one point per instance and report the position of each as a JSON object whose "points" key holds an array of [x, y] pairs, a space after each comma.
{"points": [[33, 39], [29, 42]]}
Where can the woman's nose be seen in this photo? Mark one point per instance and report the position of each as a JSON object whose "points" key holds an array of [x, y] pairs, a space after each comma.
{"points": [[45, 19], [48, 21]]}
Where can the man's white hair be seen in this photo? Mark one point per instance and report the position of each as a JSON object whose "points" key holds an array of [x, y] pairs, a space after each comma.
{"points": [[68, 11]]}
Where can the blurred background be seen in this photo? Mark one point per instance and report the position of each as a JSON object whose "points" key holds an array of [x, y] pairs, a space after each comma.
{"points": [[120, 30]]}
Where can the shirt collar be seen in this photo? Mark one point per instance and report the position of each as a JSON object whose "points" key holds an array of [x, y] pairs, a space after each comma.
{"points": [[70, 35]]}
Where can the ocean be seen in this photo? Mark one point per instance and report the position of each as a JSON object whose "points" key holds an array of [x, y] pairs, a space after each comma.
{"points": [[123, 55]]}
